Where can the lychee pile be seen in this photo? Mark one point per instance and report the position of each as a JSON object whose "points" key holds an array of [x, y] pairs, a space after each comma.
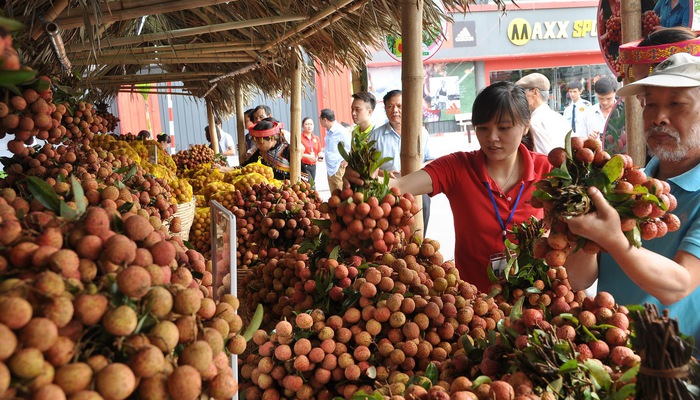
{"points": [[193, 157], [87, 309], [370, 226], [644, 203]]}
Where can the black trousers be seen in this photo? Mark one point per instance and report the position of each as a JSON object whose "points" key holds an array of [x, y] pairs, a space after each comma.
{"points": [[426, 213], [311, 170]]}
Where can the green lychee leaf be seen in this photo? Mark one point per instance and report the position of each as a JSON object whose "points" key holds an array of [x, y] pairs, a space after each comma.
{"points": [[432, 373], [630, 374], [569, 366], [480, 380], [542, 195], [67, 212], [634, 236], [567, 145], [12, 77], [613, 168], [44, 193], [254, 324], [78, 196], [11, 24], [517, 311], [601, 377], [560, 173]]}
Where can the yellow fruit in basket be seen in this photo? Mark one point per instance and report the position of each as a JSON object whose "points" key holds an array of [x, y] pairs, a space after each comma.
{"points": [[215, 187], [245, 182], [201, 200], [181, 190], [225, 198], [258, 167], [231, 175], [199, 231]]}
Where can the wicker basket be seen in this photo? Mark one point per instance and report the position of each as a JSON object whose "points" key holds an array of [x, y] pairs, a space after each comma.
{"points": [[186, 213]]}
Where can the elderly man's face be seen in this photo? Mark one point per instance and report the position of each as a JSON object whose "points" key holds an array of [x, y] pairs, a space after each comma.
{"points": [[672, 122]]}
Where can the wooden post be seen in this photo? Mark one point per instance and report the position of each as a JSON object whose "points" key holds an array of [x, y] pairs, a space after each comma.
{"points": [[213, 134], [240, 123], [412, 96], [295, 150], [631, 21]]}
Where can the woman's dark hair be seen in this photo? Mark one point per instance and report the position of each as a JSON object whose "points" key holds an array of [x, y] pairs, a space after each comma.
{"points": [[304, 120], [499, 99], [668, 35], [144, 135], [163, 138]]}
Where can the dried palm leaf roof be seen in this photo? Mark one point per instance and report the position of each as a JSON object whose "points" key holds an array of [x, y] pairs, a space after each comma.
{"points": [[209, 45]]}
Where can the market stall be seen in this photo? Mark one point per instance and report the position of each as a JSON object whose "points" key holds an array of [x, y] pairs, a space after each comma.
{"points": [[117, 279]]}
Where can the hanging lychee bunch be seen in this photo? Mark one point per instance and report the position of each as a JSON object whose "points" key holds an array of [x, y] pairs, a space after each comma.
{"points": [[644, 203], [369, 218]]}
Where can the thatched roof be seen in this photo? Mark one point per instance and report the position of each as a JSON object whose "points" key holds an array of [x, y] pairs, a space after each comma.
{"points": [[205, 43]]}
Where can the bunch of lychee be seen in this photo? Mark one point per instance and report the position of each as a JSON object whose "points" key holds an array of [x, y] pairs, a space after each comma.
{"points": [[370, 226], [643, 203], [269, 217], [31, 115], [193, 157]]}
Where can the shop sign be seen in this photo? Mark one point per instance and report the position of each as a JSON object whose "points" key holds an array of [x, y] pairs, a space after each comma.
{"points": [[464, 34], [520, 31], [432, 40]]}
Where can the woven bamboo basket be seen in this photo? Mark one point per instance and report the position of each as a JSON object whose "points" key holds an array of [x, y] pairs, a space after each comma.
{"points": [[186, 213]]}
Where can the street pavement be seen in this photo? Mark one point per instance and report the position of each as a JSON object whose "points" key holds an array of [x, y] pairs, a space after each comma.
{"points": [[441, 225]]}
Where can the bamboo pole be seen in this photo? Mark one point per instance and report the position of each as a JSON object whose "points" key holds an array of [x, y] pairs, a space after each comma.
{"points": [[155, 92], [213, 134], [240, 122], [147, 78], [295, 121], [179, 33], [49, 16], [334, 7], [630, 19], [412, 96], [195, 48], [239, 71], [132, 10], [126, 60]]}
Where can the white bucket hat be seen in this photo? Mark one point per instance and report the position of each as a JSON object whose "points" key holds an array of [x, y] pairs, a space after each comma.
{"points": [[680, 70]]}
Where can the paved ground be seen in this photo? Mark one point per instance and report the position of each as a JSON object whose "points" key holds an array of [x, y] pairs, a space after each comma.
{"points": [[441, 226]]}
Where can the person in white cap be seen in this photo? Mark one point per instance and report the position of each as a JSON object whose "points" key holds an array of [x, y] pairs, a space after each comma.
{"points": [[666, 270], [548, 127]]}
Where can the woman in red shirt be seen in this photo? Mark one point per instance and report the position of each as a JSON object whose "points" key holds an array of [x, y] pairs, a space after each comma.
{"points": [[489, 189], [312, 146]]}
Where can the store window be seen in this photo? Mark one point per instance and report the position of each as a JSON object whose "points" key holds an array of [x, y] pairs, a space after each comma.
{"points": [[559, 77]]}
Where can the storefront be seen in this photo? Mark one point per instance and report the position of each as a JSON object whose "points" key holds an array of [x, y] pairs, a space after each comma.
{"points": [[557, 39]]}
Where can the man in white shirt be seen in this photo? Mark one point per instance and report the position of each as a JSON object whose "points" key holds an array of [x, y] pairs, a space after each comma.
{"points": [[388, 141], [227, 146], [597, 115], [574, 112], [335, 134], [548, 127]]}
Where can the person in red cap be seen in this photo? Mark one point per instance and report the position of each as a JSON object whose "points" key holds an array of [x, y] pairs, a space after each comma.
{"points": [[272, 150]]}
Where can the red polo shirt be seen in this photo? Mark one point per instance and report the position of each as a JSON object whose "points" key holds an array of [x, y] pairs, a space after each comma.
{"points": [[311, 146], [478, 235]]}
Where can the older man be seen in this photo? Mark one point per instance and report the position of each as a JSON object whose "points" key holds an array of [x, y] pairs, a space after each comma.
{"points": [[335, 134], [664, 271], [388, 140], [548, 127]]}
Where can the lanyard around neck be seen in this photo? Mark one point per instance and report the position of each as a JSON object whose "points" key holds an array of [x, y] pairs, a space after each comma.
{"points": [[495, 207]]}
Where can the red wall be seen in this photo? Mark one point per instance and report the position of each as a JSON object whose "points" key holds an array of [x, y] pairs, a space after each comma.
{"points": [[334, 91], [133, 114]]}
